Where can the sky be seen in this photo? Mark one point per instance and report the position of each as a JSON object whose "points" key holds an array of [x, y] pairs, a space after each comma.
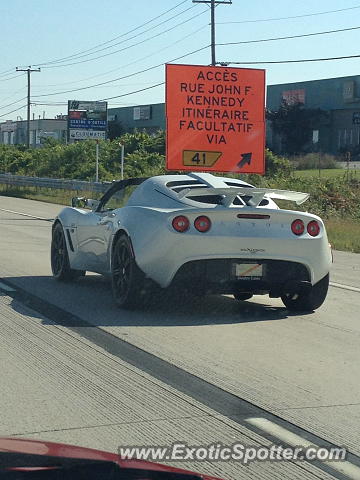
{"points": [[80, 44]]}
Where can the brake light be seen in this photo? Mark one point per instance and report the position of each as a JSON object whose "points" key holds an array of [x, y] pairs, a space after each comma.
{"points": [[202, 224], [298, 227], [181, 223], [313, 228]]}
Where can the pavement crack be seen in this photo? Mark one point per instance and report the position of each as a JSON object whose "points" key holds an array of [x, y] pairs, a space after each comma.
{"points": [[112, 424], [319, 406]]}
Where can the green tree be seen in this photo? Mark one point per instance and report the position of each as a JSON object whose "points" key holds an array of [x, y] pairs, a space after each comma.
{"points": [[294, 124], [115, 129]]}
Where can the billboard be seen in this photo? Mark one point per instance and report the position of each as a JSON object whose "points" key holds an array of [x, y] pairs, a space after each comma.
{"points": [[86, 119], [215, 118]]}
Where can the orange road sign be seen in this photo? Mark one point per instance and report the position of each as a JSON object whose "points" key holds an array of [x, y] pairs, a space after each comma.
{"points": [[215, 119]]}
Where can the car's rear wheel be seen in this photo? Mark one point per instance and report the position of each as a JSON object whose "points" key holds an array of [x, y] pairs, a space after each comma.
{"points": [[127, 278], [311, 300], [60, 264], [242, 296]]}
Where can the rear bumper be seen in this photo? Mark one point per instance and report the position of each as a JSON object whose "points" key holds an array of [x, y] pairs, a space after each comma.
{"points": [[162, 258], [219, 276]]}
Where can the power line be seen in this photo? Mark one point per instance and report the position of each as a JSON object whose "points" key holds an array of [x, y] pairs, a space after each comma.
{"points": [[76, 57], [6, 71], [13, 103], [290, 37], [288, 18], [124, 76], [13, 94], [191, 34], [131, 93], [289, 61], [16, 110], [117, 37], [10, 78], [129, 46]]}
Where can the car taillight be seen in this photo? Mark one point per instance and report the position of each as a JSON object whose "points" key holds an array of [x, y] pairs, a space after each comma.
{"points": [[298, 227], [202, 224], [313, 228], [181, 223]]}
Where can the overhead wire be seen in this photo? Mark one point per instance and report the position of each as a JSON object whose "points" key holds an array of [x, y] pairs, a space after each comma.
{"points": [[290, 37], [13, 103], [50, 64], [131, 93], [117, 37], [122, 77], [13, 93], [16, 110], [5, 72], [191, 34], [10, 78], [291, 17], [129, 46], [265, 62]]}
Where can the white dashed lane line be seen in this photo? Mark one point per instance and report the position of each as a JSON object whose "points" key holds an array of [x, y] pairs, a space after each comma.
{"points": [[27, 215], [345, 287]]}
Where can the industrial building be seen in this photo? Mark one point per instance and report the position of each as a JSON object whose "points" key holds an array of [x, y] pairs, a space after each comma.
{"points": [[340, 97], [14, 132], [148, 117]]}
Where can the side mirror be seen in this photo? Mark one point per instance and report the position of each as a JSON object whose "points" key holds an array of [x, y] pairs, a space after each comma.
{"points": [[82, 202], [78, 202]]}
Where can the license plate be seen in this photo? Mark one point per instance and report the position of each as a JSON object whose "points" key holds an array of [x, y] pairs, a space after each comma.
{"points": [[248, 271]]}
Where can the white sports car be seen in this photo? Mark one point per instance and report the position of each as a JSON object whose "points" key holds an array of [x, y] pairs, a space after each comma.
{"points": [[197, 232]]}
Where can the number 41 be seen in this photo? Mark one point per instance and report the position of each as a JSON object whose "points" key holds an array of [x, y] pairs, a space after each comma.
{"points": [[196, 158]]}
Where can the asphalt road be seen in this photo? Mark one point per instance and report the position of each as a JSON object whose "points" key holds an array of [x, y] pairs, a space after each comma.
{"points": [[77, 369]]}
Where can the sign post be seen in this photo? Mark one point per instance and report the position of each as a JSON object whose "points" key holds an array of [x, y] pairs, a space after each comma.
{"points": [[122, 160], [97, 161], [215, 119]]}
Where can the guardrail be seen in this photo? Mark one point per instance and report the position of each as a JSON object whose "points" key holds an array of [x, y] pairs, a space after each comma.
{"points": [[55, 183], [349, 165]]}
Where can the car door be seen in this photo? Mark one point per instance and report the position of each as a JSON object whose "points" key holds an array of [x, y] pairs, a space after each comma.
{"points": [[93, 235], [96, 227]]}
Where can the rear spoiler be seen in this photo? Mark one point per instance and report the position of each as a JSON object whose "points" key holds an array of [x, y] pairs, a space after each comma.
{"points": [[256, 194]]}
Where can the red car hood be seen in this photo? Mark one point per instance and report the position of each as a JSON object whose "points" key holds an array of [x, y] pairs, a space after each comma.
{"points": [[50, 449]]}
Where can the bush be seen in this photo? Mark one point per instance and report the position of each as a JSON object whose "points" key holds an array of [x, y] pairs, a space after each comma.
{"points": [[276, 166], [314, 160], [144, 155]]}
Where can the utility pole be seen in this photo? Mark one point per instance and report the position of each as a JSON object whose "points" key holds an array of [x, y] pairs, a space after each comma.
{"points": [[29, 71], [213, 4]]}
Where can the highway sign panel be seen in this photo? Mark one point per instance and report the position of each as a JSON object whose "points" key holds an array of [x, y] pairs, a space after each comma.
{"points": [[215, 119]]}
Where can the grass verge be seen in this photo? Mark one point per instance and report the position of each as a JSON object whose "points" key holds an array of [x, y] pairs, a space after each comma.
{"points": [[48, 195], [344, 234], [326, 173]]}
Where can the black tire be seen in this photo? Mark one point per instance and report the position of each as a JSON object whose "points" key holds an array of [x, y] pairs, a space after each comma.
{"points": [[126, 277], [60, 265], [242, 296], [308, 301]]}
